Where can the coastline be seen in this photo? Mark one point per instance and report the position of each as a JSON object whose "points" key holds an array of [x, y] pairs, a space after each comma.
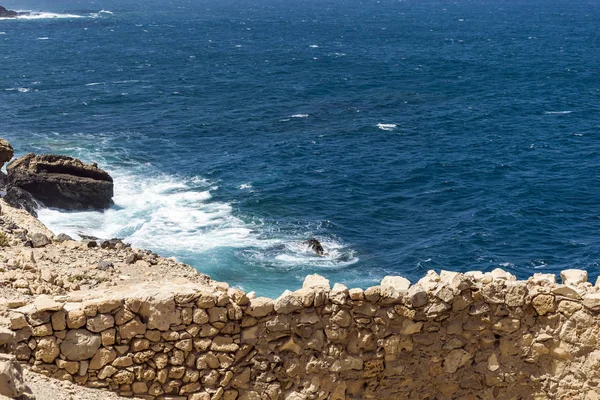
{"points": [[165, 331]]}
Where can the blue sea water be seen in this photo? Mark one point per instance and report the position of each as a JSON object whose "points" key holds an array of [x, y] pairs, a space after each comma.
{"points": [[405, 135]]}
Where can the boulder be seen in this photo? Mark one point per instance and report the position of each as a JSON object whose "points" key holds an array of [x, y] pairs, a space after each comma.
{"points": [[6, 150], [61, 181], [80, 345], [11, 378], [19, 198]]}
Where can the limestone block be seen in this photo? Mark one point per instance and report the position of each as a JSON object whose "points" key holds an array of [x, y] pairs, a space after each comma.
{"points": [[59, 320], [260, 307], [592, 301], [316, 281], [100, 322], [102, 358], [123, 377], [543, 304], [206, 300], [80, 345], [397, 282], [515, 294], [76, 319], [356, 294], [417, 296], [573, 276], [287, 303], [217, 314], [42, 330], [108, 305], [444, 293], [508, 325], [17, 321], [70, 366], [122, 362], [456, 359], [429, 281], [572, 292], [339, 294], [238, 296], [123, 316], [543, 279], [500, 274], [46, 303], [47, 350], [160, 313], [132, 328], [108, 337]]}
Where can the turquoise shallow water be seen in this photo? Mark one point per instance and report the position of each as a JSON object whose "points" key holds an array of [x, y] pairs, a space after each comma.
{"points": [[406, 136]]}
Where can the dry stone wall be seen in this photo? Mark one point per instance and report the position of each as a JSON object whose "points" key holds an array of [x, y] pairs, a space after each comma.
{"points": [[449, 336]]}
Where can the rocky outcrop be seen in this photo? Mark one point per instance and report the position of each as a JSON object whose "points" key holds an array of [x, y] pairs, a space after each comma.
{"points": [[4, 13], [22, 199], [6, 150], [60, 181]]}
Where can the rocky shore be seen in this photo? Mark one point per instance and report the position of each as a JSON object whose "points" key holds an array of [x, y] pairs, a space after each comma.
{"points": [[102, 315]]}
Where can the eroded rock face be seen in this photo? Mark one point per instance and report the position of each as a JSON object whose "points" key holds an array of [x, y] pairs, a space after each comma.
{"points": [[61, 182], [6, 150], [22, 199]]}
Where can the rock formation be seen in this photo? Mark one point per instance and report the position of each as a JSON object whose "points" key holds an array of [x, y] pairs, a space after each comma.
{"points": [[6, 151], [60, 181], [4, 13]]}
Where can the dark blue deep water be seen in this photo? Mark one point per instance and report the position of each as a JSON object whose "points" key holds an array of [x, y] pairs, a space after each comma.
{"points": [[405, 135]]}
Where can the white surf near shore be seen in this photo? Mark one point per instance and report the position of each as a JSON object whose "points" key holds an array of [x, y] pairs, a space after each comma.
{"points": [[179, 217]]}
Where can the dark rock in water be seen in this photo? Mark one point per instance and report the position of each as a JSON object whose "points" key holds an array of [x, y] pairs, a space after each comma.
{"points": [[4, 13], [91, 244], [39, 240], [63, 237], [20, 198], [62, 182], [315, 246]]}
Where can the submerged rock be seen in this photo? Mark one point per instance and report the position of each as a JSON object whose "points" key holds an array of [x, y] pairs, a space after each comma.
{"points": [[61, 182], [315, 246]]}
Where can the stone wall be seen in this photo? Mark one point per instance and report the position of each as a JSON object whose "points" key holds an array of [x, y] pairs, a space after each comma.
{"points": [[449, 336]]}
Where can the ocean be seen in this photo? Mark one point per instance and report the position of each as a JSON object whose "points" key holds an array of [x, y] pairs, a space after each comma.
{"points": [[404, 135]]}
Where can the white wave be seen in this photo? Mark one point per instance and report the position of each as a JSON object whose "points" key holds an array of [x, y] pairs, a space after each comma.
{"points": [[179, 216], [21, 90], [162, 213], [2, 33], [299, 116], [105, 12], [93, 84], [314, 46], [387, 127], [297, 253], [48, 15], [43, 38], [557, 112]]}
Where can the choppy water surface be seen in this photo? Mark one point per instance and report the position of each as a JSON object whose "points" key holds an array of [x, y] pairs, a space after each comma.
{"points": [[405, 135]]}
